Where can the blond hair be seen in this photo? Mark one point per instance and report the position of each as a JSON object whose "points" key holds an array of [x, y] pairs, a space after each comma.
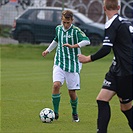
{"points": [[67, 14]]}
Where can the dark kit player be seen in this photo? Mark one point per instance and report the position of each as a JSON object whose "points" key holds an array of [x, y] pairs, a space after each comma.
{"points": [[119, 78]]}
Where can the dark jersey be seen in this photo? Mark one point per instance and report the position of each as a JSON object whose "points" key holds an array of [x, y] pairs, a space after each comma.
{"points": [[119, 36]]}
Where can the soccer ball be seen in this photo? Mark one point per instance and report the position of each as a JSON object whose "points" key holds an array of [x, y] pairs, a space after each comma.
{"points": [[47, 115]]}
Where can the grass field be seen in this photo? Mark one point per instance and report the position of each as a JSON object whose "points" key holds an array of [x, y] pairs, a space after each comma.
{"points": [[26, 82]]}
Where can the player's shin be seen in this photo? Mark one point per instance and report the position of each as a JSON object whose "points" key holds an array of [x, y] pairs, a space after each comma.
{"points": [[129, 116], [74, 104], [56, 101], [104, 114]]}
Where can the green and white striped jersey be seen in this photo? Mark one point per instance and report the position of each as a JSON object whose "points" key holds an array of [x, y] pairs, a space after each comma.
{"points": [[66, 58]]}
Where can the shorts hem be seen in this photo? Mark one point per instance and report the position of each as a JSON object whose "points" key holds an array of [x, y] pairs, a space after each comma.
{"points": [[73, 88]]}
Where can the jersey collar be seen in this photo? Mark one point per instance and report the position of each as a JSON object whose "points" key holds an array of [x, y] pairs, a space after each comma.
{"points": [[67, 29], [109, 22]]}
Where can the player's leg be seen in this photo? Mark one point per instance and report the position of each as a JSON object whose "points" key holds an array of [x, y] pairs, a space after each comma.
{"points": [[56, 97], [104, 111], [125, 94], [73, 101], [58, 80], [73, 84], [103, 98], [127, 109], [74, 104]]}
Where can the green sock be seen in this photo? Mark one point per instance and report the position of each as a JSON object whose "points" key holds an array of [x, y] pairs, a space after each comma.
{"points": [[56, 101], [74, 104]]}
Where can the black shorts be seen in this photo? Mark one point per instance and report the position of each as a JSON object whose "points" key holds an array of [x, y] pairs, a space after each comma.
{"points": [[122, 85]]}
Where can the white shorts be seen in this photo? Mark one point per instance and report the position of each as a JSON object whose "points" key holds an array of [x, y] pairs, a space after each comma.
{"points": [[72, 79]]}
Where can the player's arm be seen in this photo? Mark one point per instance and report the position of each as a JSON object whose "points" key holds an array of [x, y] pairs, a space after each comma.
{"points": [[50, 48], [105, 50], [78, 45]]}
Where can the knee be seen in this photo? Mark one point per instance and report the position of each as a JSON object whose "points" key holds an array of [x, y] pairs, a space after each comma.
{"points": [[102, 99], [56, 85], [56, 88], [72, 94], [125, 107], [105, 95]]}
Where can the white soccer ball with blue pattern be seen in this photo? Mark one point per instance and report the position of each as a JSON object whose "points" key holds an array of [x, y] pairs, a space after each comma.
{"points": [[47, 115]]}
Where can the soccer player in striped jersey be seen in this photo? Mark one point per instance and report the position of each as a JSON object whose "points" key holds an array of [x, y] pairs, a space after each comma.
{"points": [[119, 78], [68, 40]]}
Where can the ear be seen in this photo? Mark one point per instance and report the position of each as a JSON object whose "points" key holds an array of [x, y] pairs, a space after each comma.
{"points": [[104, 8], [118, 7]]}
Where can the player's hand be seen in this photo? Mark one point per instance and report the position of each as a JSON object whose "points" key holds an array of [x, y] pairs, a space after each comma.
{"points": [[71, 46], [83, 58], [44, 53], [67, 45]]}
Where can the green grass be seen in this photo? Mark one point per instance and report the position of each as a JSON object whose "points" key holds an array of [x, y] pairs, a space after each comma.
{"points": [[26, 82], [5, 30]]}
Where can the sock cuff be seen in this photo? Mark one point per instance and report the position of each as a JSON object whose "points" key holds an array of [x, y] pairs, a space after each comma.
{"points": [[128, 110], [102, 103], [74, 101], [55, 95]]}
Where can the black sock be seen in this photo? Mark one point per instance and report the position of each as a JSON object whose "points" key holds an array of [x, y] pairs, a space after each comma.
{"points": [[104, 114], [129, 116]]}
